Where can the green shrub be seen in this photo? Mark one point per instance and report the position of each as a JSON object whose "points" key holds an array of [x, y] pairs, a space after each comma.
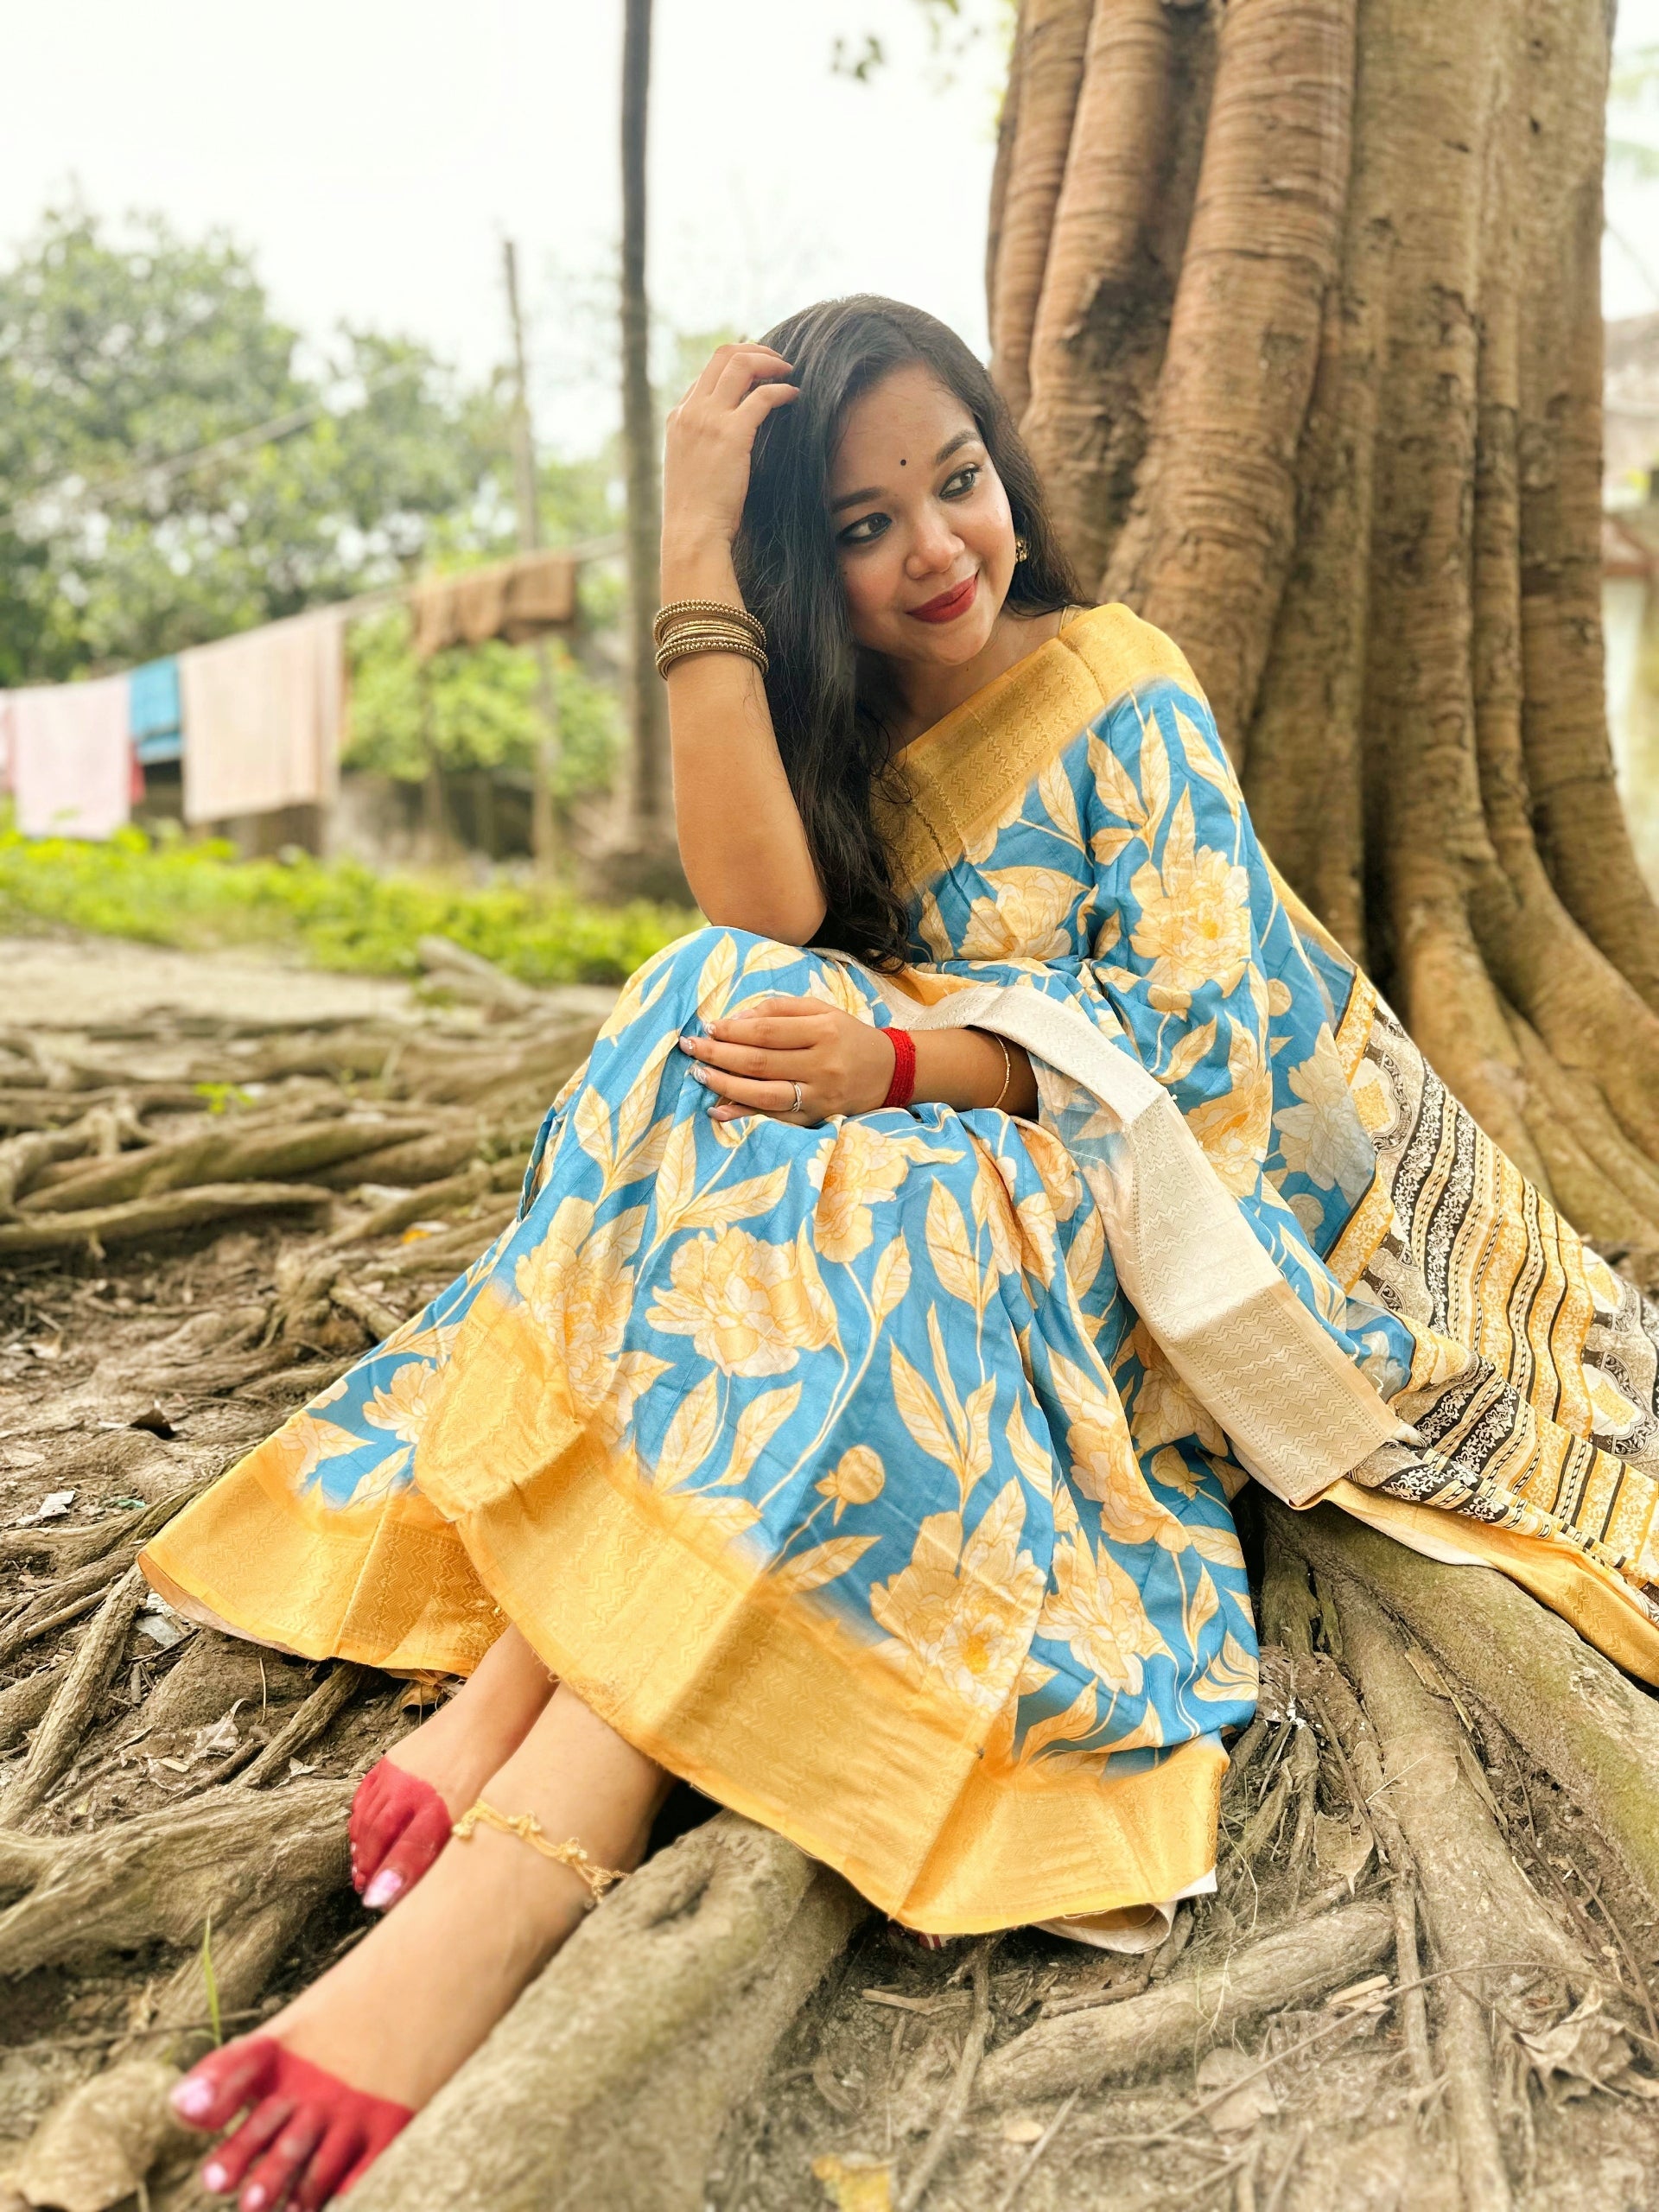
{"points": [[340, 914]]}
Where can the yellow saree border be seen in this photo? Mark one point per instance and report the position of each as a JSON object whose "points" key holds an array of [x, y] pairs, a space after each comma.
{"points": [[765, 1703], [958, 775]]}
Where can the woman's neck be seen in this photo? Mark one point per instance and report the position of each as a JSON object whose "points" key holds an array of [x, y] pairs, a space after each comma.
{"points": [[921, 693]]}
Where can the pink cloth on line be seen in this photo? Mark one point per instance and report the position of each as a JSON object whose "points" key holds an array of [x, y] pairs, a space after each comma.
{"points": [[262, 714], [71, 758]]}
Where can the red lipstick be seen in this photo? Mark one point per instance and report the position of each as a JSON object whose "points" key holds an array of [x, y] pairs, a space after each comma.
{"points": [[949, 604]]}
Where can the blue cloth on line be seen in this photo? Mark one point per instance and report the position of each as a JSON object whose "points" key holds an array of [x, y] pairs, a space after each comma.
{"points": [[153, 709]]}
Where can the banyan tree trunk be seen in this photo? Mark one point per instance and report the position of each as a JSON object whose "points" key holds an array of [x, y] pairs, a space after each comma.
{"points": [[1296, 302]]}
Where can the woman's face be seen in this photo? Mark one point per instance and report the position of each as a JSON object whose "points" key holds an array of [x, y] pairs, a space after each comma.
{"points": [[923, 537]]}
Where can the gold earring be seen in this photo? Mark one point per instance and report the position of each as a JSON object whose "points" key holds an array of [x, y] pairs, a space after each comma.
{"points": [[1021, 550]]}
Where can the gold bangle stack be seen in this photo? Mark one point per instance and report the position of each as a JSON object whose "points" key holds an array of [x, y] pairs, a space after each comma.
{"points": [[706, 625]]}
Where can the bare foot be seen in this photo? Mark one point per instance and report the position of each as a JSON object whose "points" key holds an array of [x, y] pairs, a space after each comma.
{"points": [[477, 1730], [398, 2014]]}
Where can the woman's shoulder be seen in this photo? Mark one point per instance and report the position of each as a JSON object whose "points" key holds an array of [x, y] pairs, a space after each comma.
{"points": [[1122, 652]]}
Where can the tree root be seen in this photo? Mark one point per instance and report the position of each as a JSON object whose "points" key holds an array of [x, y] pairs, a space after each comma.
{"points": [[610, 2080], [1189, 2013], [1594, 1734], [139, 1219], [76, 1698], [158, 1879], [309, 1721], [22, 1703], [232, 1155]]}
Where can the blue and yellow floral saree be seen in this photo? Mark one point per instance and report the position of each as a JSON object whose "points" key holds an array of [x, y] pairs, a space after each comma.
{"points": [[876, 1477]]}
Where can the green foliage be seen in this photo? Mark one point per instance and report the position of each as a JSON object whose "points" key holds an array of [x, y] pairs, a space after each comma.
{"points": [[123, 356], [340, 915], [474, 707]]}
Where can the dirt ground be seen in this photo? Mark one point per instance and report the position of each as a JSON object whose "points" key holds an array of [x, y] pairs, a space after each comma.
{"points": [[131, 1371]]}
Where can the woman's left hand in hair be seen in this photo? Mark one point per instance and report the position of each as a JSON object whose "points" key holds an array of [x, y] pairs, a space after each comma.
{"points": [[753, 1060]]}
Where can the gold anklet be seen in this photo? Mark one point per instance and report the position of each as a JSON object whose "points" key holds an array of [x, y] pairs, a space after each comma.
{"points": [[529, 1829]]}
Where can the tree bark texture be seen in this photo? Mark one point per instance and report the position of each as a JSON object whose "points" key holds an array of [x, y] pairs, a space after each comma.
{"points": [[1296, 302]]}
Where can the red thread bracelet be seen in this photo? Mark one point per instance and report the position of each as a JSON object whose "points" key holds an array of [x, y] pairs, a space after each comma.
{"points": [[902, 1089]]}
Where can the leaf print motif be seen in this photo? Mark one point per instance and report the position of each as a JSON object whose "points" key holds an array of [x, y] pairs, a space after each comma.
{"points": [[949, 1248], [1105, 845], [1203, 762], [715, 984], [758, 1423], [1054, 790], [592, 1121], [1324, 1138], [763, 959], [1085, 1255], [1114, 788], [724, 1202], [921, 1413], [690, 1436], [1230, 1676], [1154, 774], [1187, 1054], [1037, 1237], [810, 1570], [633, 1116], [1078, 1720], [890, 1284], [1029, 1456], [1199, 1610], [631, 1375], [676, 1177]]}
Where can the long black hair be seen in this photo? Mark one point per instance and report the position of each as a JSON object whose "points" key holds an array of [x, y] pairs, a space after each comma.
{"points": [[830, 727]]}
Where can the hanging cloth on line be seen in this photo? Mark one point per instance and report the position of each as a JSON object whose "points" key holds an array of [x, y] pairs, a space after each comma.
{"points": [[72, 765], [515, 600], [153, 718], [264, 711]]}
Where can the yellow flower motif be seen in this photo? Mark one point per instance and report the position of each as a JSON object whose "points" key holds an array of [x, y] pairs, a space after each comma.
{"points": [[1094, 1609], [856, 1479], [751, 1308], [961, 1626], [1323, 1137], [865, 1168], [406, 1404], [302, 1444], [580, 1292], [1236, 1129], [1195, 921], [1025, 916]]}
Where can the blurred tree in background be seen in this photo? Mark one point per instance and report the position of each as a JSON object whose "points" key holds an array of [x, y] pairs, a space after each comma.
{"points": [[125, 360]]}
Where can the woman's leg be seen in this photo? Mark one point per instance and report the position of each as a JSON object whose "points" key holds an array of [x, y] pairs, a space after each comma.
{"points": [[398, 2014], [398, 1827]]}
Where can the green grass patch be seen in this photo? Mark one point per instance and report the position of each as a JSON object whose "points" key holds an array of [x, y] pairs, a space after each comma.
{"points": [[339, 913]]}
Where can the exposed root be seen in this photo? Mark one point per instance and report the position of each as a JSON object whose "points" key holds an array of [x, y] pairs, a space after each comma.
{"points": [[67, 1719], [610, 2080], [1191, 2013]]}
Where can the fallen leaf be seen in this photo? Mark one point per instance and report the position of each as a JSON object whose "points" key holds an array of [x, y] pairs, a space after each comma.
{"points": [[18, 1458], [161, 1624], [1579, 2055], [1343, 1852], [854, 2186], [98, 2146], [1253, 2100], [299, 1766], [47, 1348], [1022, 2130], [52, 1507], [418, 1229]]}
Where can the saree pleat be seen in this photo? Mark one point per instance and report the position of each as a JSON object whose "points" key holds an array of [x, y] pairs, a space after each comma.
{"points": [[876, 1477]]}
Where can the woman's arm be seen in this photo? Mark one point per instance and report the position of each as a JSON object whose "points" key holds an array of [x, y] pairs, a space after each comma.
{"points": [[741, 843], [754, 1060]]}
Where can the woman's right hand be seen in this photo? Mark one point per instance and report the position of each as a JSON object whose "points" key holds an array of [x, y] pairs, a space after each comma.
{"points": [[711, 437]]}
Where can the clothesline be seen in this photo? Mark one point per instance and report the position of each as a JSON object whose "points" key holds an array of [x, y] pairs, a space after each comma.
{"points": [[255, 718]]}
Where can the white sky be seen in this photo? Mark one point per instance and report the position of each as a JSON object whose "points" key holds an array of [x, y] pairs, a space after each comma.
{"points": [[374, 152]]}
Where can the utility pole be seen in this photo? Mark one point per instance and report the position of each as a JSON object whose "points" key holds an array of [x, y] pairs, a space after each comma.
{"points": [[541, 834], [649, 795]]}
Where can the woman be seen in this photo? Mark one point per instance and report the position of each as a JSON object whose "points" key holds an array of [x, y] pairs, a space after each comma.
{"points": [[848, 1421]]}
